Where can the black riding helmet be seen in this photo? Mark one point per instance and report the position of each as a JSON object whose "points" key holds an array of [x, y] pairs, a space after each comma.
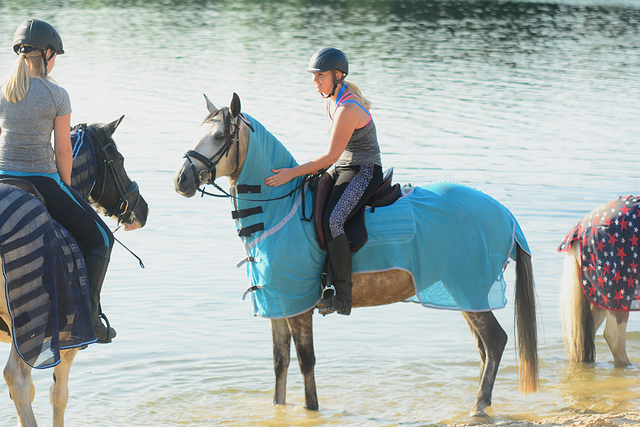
{"points": [[329, 59], [37, 35]]}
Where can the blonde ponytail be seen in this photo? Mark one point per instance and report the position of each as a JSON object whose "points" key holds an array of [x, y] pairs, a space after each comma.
{"points": [[15, 88], [356, 90]]}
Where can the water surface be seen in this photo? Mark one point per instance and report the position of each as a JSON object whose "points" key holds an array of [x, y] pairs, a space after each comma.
{"points": [[534, 103]]}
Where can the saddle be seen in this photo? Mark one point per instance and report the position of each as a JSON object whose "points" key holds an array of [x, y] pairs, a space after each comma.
{"points": [[355, 228], [24, 185]]}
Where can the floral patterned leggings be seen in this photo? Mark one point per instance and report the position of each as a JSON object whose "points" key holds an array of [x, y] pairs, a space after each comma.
{"points": [[354, 186]]}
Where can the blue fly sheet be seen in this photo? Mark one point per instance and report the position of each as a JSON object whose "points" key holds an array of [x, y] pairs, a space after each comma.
{"points": [[46, 278], [455, 241]]}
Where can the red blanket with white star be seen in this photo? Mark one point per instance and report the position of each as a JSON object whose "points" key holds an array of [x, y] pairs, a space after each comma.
{"points": [[608, 239]]}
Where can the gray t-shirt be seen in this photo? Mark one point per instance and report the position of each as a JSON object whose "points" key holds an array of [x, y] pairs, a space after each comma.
{"points": [[26, 126], [362, 148]]}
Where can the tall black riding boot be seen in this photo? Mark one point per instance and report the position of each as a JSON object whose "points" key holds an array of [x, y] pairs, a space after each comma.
{"points": [[340, 258], [97, 262]]}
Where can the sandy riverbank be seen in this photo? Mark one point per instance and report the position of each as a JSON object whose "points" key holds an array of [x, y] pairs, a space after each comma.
{"points": [[626, 419]]}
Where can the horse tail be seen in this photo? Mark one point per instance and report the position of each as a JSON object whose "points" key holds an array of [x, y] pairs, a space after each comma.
{"points": [[525, 314], [577, 319]]}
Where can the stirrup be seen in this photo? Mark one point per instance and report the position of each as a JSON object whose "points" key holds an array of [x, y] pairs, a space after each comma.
{"points": [[108, 328], [325, 303], [328, 292]]}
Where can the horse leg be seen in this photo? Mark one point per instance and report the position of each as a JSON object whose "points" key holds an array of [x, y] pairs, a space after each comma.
{"points": [[615, 333], [17, 374], [281, 337], [491, 340], [301, 328], [59, 391]]}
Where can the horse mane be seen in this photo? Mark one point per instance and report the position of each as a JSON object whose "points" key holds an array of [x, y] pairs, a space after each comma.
{"points": [[101, 127]]}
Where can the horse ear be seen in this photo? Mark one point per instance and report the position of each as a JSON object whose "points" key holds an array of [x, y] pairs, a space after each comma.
{"points": [[111, 127], [212, 108], [235, 105]]}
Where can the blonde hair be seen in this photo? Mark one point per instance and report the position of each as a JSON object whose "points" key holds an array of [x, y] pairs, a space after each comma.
{"points": [[356, 90], [15, 88]]}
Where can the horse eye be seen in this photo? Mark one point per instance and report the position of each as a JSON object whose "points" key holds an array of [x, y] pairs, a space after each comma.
{"points": [[219, 136]]}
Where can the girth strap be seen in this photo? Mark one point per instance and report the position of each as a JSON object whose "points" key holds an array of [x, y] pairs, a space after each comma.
{"points": [[247, 189], [243, 213], [248, 231]]}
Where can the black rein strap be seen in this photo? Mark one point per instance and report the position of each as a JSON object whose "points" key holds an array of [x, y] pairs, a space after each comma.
{"points": [[123, 209]]}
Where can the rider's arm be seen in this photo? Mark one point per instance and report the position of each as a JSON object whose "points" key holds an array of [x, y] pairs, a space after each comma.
{"points": [[62, 147], [344, 123]]}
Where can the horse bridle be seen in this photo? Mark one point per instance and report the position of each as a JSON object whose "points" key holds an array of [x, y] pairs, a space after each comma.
{"points": [[208, 175], [124, 211]]}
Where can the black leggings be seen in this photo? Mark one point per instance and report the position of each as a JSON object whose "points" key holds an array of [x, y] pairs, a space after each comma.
{"points": [[354, 186], [75, 214]]}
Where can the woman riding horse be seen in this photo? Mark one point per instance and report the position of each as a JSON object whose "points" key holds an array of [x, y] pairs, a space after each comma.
{"points": [[353, 147], [32, 105]]}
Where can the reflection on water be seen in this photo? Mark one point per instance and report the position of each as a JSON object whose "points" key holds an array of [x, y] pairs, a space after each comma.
{"points": [[534, 103]]}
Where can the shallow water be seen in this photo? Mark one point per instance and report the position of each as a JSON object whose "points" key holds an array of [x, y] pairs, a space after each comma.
{"points": [[533, 103]]}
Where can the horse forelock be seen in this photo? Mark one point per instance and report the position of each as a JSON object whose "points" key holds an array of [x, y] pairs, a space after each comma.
{"points": [[213, 115]]}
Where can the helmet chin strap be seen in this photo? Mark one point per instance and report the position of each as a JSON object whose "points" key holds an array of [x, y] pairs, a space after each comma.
{"points": [[45, 60], [335, 84]]}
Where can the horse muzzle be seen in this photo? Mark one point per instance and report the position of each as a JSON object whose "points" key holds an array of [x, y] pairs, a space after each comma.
{"points": [[185, 180]]}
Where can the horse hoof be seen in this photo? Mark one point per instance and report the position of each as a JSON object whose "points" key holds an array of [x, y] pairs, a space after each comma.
{"points": [[479, 413]]}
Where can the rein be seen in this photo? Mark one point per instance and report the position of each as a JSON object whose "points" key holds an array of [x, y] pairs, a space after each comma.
{"points": [[123, 209]]}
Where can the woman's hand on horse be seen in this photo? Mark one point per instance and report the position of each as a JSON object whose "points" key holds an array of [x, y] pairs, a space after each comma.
{"points": [[282, 176]]}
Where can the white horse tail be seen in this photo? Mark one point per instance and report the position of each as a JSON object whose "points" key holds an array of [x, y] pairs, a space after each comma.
{"points": [[577, 319], [525, 313]]}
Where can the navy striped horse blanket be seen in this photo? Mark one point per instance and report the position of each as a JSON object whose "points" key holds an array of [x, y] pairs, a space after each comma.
{"points": [[84, 172], [46, 279]]}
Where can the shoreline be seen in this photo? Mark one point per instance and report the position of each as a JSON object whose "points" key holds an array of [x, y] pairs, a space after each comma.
{"points": [[625, 419]]}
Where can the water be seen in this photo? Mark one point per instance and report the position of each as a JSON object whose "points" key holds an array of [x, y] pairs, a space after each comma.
{"points": [[533, 103]]}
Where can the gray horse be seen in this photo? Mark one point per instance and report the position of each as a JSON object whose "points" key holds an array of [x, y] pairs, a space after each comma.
{"points": [[224, 149]]}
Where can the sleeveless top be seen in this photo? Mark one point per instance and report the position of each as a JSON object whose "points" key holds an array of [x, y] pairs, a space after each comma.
{"points": [[26, 126], [363, 146]]}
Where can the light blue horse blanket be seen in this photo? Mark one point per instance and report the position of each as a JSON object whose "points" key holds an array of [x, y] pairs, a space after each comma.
{"points": [[455, 241]]}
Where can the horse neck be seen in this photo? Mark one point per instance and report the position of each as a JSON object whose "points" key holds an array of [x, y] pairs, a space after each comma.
{"points": [[84, 168], [242, 154], [263, 153]]}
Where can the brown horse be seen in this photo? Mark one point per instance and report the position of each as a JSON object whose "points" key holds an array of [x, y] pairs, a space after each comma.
{"points": [[112, 193], [222, 150]]}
